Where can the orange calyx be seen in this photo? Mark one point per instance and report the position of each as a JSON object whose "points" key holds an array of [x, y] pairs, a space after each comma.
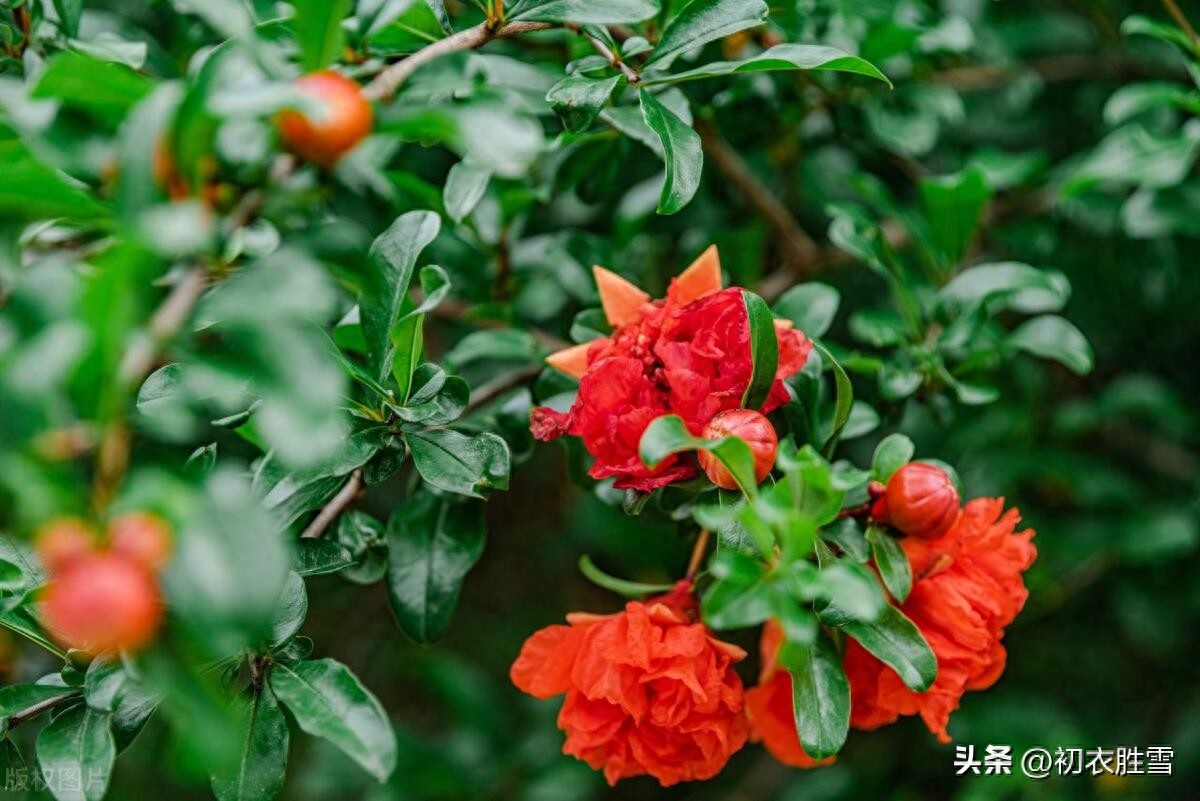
{"points": [[702, 277], [622, 301], [572, 361]]}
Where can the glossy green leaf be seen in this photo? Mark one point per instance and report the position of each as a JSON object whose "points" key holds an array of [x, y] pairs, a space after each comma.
{"points": [[19, 697], [318, 27], [810, 306], [103, 88], [1006, 285], [892, 563], [764, 351], [454, 462], [1053, 337], [578, 99], [893, 452], [69, 13], [262, 761], [585, 11], [465, 186], [79, 743], [895, 641], [702, 21], [321, 556], [820, 696], [432, 543], [954, 206], [329, 701], [393, 258], [682, 153], [843, 399], [779, 57]]}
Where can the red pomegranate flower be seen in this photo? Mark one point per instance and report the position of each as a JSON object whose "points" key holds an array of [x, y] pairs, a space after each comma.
{"points": [[687, 354], [967, 587], [649, 691], [769, 706]]}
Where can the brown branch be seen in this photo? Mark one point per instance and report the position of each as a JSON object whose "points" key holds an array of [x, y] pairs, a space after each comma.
{"points": [[496, 387], [1181, 19], [1064, 68], [698, 552], [386, 83], [613, 56], [34, 710], [796, 247], [346, 496]]}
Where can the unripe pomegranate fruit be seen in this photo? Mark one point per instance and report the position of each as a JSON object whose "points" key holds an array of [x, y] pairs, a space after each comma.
{"points": [[346, 120], [102, 602], [750, 426], [143, 537], [921, 501], [62, 541]]}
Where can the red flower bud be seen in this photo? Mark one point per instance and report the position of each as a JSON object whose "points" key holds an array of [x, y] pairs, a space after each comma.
{"points": [[921, 500], [102, 602], [347, 119], [747, 425]]}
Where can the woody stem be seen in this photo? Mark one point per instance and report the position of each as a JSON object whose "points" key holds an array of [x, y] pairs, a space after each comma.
{"points": [[698, 551]]}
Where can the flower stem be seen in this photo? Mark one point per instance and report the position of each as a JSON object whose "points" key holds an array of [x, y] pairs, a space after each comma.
{"points": [[698, 551]]}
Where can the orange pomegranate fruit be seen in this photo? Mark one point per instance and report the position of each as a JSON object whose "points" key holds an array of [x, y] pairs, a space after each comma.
{"points": [[751, 427], [346, 119]]}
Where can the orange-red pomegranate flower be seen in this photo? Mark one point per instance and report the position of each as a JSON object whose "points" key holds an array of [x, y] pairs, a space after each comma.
{"points": [[687, 354], [967, 587], [770, 708], [649, 691]]}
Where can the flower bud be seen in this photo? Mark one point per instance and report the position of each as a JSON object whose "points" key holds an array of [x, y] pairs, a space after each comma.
{"points": [[346, 120], [747, 425], [921, 500]]}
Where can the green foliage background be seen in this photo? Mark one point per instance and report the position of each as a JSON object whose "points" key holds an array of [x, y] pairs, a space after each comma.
{"points": [[1073, 138]]}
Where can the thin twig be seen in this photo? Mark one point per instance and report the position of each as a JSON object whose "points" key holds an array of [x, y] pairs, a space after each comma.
{"points": [[613, 56], [1181, 19], [34, 710], [166, 322], [496, 387], [347, 495], [797, 248], [698, 552], [386, 83]]}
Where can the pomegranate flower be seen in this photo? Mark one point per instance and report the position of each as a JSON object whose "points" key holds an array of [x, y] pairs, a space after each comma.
{"points": [[687, 354], [649, 691]]}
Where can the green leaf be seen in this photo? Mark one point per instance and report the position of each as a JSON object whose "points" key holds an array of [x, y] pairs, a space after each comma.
{"points": [[585, 11], [393, 257], [668, 435], [578, 99], [318, 27], [465, 186], [681, 150], [892, 562], [843, 402], [735, 605], [628, 589], [454, 462], [1006, 285], [820, 696], [1052, 337], [810, 306], [893, 452], [78, 743], [321, 556], [290, 611], [764, 351], [259, 771], [433, 542], [953, 207], [1136, 24], [895, 641], [329, 701], [702, 21], [18, 697], [69, 12], [103, 88], [779, 57]]}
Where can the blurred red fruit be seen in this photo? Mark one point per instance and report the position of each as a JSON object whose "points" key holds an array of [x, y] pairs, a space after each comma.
{"points": [[62, 541], [346, 121], [143, 537], [748, 425], [102, 602], [921, 501]]}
